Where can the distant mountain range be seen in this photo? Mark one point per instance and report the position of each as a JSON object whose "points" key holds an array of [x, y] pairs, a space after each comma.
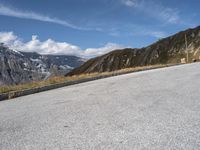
{"points": [[168, 50], [22, 67]]}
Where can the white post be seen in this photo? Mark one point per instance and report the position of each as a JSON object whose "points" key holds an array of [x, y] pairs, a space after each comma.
{"points": [[186, 46]]}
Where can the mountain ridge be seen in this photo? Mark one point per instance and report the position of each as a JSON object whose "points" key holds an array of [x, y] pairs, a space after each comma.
{"points": [[167, 50]]}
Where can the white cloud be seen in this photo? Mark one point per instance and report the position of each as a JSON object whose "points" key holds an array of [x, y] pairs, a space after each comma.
{"points": [[148, 32], [13, 12], [49, 47], [7, 37], [35, 45], [52, 47], [129, 3], [155, 10], [169, 14], [157, 34], [100, 51]]}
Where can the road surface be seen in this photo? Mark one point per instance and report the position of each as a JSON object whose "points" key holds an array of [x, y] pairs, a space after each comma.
{"points": [[157, 110]]}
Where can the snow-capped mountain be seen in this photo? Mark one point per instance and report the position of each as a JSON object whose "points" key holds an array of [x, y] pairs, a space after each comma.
{"points": [[21, 67]]}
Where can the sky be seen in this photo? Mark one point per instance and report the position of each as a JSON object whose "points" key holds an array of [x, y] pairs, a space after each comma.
{"points": [[89, 28]]}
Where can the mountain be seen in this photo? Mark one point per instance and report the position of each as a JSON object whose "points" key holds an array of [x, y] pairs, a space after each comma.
{"points": [[55, 64], [168, 50], [22, 67]]}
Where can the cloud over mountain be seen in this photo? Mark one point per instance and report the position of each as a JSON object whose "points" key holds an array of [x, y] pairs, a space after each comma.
{"points": [[50, 46]]}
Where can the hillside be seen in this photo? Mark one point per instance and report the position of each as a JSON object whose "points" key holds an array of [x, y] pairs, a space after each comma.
{"points": [[22, 67], [167, 50]]}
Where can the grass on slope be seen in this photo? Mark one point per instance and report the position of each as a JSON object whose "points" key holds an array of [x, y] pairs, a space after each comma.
{"points": [[57, 80]]}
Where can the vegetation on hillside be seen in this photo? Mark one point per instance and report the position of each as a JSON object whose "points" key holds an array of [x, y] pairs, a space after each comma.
{"points": [[57, 80]]}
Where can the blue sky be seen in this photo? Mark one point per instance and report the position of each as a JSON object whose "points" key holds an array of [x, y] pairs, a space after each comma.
{"points": [[92, 27]]}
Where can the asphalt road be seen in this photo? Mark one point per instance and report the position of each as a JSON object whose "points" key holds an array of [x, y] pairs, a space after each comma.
{"points": [[157, 109]]}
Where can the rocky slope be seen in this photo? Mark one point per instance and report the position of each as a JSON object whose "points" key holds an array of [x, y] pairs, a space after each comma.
{"points": [[168, 50], [56, 65], [22, 67]]}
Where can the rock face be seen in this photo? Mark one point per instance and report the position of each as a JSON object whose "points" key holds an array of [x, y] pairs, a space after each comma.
{"points": [[22, 67], [54, 65], [168, 50]]}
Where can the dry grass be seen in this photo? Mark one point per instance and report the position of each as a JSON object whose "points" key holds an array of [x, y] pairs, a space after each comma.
{"points": [[57, 80]]}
